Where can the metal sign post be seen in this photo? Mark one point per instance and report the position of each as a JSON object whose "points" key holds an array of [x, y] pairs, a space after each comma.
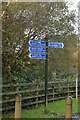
{"points": [[39, 50], [46, 73]]}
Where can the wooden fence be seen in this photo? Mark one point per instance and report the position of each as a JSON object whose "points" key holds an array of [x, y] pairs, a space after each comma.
{"points": [[33, 93]]}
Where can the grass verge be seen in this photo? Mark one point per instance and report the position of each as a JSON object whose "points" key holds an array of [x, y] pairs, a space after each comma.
{"points": [[56, 109]]}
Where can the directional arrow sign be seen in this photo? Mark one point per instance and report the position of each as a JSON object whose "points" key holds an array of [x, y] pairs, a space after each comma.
{"points": [[55, 44], [37, 43], [37, 56], [32, 50]]}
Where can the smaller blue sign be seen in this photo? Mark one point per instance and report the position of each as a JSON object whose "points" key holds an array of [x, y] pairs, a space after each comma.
{"points": [[37, 56], [37, 43], [32, 50], [55, 44]]}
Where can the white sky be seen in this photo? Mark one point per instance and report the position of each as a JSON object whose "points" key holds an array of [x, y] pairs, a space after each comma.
{"points": [[73, 4]]}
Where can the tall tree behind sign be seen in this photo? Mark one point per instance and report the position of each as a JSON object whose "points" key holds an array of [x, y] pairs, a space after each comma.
{"points": [[24, 21]]}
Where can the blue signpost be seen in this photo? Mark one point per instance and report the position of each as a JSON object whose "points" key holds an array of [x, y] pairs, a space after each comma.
{"points": [[34, 49], [37, 56], [38, 43], [55, 44], [38, 46], [39, 50]]}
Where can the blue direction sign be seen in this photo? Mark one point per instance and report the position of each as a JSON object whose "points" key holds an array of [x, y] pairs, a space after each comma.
{"points": [[32, 49], [37, 56], [37, 43], [55, 44]]}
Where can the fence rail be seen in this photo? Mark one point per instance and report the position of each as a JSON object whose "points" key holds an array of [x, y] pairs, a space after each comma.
{"points": [[34, 93]]}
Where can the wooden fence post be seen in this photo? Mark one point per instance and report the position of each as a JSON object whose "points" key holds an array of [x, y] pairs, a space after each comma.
{"points": [[17, 103], [18, 106], [53, 91], [68, 114], [37, 93], [17, 88]]}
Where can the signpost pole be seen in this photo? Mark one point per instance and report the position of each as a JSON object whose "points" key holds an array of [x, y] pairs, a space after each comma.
{"points": [[37, 50], [46, 72]]}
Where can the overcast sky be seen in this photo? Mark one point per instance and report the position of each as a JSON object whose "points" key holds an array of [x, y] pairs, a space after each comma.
{"points": [[73, 4]]}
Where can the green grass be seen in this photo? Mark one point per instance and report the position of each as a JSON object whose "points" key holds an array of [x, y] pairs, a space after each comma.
{"points": [[55, 109]]}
